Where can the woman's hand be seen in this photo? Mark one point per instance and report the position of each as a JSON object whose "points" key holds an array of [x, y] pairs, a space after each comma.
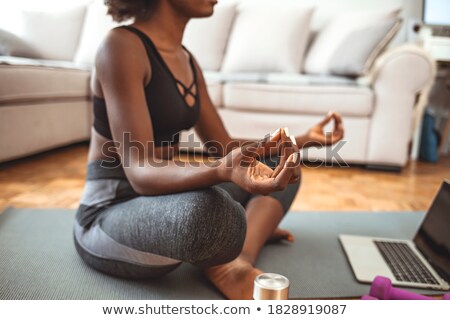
{"points": [[316, 135], [242, 167], [285, 145]]}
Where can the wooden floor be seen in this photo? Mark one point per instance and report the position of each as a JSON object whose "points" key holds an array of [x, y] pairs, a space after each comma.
{"points": [[56, 178]]}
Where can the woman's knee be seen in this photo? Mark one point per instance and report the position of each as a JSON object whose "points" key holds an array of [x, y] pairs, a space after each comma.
{"points": [[215, 227], [119, 268], [286, 197], [292, 190]]}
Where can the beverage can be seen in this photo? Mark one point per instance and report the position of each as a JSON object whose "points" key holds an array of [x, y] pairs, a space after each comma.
{"points": [[271, 286]]}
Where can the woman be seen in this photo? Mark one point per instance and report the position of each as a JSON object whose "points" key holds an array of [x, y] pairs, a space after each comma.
{"points": [[142, 213]]}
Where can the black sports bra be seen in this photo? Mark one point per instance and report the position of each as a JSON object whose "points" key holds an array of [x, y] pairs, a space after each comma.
{"points": [[166, 99]]}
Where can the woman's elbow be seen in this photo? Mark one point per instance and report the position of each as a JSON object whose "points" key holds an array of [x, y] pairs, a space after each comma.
{"points": [[140, 183]]}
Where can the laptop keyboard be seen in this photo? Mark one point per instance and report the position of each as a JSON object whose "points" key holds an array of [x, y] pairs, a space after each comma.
{"points": [[404, 263]]}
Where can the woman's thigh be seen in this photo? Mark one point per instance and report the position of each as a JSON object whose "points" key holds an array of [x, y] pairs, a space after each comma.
{"points": [[204, 227]]}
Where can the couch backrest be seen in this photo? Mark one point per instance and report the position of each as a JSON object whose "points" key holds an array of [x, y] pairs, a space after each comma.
{"points": [[80, 29], [200, 33]]}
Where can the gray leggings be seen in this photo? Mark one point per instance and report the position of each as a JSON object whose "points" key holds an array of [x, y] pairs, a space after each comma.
{"points": [[121, 233]]}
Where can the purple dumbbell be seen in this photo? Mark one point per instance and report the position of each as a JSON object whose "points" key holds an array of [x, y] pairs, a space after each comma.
{"points": [[368, 298], [382, 289]]}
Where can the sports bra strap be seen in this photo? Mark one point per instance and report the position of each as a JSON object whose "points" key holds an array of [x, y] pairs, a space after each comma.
{"points": [[153, 51]]}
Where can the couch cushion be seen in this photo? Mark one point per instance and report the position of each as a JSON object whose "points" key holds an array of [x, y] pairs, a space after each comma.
{"points": [[215, 88], [251, 77], [354, 147], [338, 32], [268, 37], [305, 79], [214, 83], [52, 34], [12, 45], [24, 79], [282, 78], [299, 99], [31, 128], [357, 53], [207, 38]]}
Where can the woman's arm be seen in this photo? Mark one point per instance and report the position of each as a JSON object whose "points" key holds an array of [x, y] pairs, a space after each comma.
{"points": [[316, 136], [123, 70]]}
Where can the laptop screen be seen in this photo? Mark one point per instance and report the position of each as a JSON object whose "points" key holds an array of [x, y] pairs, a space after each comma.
{"points": [[433, 237]]}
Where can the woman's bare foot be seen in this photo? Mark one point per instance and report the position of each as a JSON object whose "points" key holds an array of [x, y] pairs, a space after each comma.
{"points": [[234, 279], [281, 234]]}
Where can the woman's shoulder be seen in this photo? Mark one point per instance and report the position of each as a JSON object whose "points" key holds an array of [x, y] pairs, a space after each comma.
{"points": [[121, 48], [118, 41]]}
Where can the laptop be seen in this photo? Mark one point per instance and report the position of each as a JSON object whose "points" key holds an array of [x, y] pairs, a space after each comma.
{"points": [[423, 262]]}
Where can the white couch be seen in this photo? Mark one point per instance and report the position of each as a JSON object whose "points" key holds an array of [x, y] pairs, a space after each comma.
{"points": [[46, 104]]}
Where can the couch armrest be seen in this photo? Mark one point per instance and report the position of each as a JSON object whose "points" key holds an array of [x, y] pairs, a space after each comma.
{"points": [[399, 77], [406, 68]]}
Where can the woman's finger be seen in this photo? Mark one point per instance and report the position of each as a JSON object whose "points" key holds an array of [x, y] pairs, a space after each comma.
{"points": [[326, 119], [294, 179], [269, 142], [289, 169], [296, 176], [337, 120], [286, 148], [268, 185], [338, 132]]}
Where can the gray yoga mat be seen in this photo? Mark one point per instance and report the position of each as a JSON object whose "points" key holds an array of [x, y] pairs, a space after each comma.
{"points": [[38, 259]]}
